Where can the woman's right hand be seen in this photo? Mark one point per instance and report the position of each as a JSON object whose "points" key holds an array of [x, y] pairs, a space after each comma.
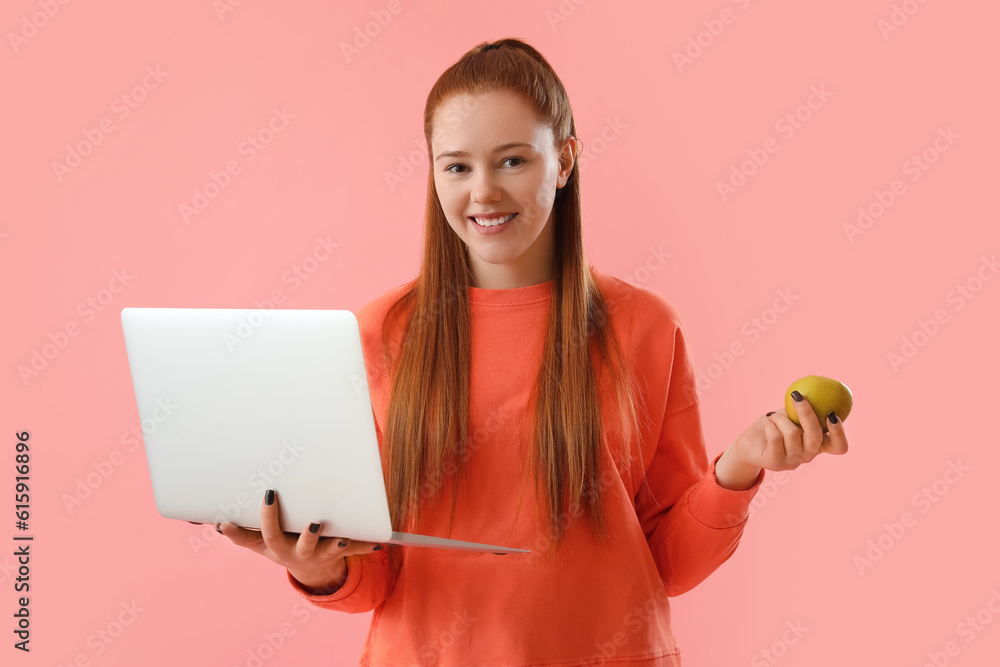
{"points": [[318, 563]]}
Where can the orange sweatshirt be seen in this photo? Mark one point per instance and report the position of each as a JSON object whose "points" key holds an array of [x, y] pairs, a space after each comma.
{"points": [[584, 603]]}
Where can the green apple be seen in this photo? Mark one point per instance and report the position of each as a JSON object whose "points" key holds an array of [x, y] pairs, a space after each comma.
{"points": [[824, 395]]}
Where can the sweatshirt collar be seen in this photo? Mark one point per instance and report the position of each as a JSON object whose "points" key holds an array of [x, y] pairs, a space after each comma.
{"points": [[517, 296]]}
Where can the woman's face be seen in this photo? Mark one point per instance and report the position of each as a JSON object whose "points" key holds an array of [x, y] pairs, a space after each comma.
{"points": [[493, 156]]}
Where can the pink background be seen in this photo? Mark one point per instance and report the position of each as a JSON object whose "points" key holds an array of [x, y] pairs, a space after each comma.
{"points": [[658, 138]]}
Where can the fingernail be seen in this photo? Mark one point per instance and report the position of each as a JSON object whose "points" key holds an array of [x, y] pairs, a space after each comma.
{"points": [[342, 544], [217, 529], [769, 414], [796, 396], [832, 417], [313, 528], [269, 497], [377, 547]]}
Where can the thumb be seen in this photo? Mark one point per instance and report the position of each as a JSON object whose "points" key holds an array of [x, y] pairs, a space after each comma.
{"points": [[353, 548], [243, 537]]}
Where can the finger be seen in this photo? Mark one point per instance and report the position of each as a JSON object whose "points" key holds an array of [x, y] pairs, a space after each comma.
{"points": [[330, 567], [783, 412], [808, 443], [308, 539], [338, 547], [331, 557], [838, 439], [270, 526], [774, 454], [242, 537], [791, 440]]}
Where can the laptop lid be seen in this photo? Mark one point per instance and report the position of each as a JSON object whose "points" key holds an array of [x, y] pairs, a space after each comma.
{"points": [[238, 401]]}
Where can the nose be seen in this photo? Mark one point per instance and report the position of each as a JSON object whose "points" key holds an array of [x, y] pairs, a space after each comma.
{"points": [[485, 187]]}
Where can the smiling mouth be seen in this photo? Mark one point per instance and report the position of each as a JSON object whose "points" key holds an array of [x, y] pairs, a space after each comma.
{"points": [[495, 222]]}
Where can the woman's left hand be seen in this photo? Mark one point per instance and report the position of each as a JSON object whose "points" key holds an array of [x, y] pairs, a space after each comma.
{"points": [[774, 442]]}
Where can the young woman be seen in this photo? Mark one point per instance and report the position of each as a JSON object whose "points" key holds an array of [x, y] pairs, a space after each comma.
{"points": [[522, 397]]}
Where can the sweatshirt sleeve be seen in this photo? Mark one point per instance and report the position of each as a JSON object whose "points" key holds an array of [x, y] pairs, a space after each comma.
{"points": [[368, 579], [366, 588], [692, 524]]}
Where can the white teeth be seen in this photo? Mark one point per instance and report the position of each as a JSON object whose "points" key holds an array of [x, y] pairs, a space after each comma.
{"points": [[493, 223]]}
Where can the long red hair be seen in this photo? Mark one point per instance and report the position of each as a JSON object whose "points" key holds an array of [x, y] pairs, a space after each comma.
{"points": [[427, 417]]}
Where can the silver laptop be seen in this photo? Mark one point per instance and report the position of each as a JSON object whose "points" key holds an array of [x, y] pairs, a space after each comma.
{"points": [[233, 402]]}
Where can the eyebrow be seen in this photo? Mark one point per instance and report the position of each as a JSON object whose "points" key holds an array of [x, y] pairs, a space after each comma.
{"points": [[498, 149]]}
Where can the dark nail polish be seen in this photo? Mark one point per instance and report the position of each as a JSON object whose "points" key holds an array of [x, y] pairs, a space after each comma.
{"points": [[832, 417], [377, 547], [769, 414], [342, 544], [796, 396], [314, 528], [269, 497]]}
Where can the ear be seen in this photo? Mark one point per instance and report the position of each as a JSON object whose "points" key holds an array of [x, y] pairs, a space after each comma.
{"points": [[567, 158]]}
